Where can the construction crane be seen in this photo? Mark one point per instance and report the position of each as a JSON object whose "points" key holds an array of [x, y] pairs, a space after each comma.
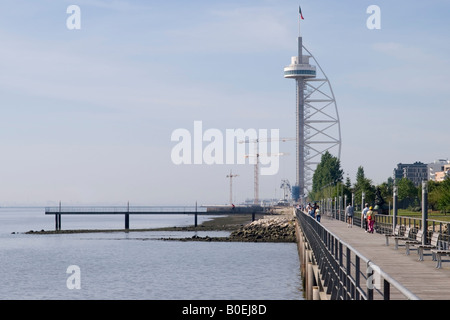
{"points": [[231, 176], [256, 171], [257, 155]]}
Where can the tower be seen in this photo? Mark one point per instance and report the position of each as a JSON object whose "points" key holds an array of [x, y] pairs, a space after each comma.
{"points": [[317, 119]]}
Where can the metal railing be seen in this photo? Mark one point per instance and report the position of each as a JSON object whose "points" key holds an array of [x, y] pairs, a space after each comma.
{"points": [[384, 224], [346, 273], [122, 209]]}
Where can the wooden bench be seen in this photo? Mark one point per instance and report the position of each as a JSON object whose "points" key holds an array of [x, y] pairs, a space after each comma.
{"points": [[418, 241], [396, 233], [405, 237], [433, 245], [438, 253]]}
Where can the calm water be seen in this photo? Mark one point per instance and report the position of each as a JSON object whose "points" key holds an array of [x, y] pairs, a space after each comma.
{"points": [[137, 265]]}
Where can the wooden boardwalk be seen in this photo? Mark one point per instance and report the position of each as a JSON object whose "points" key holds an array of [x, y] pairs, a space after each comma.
{"points": [[420, 277]]}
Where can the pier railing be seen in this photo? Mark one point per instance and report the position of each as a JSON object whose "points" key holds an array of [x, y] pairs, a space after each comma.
{"points": [[346, 273], [123, 209], [126, 211], [384, 224]]}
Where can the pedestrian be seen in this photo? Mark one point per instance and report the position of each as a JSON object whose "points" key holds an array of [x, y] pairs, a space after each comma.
{"points": [[349, 213], [370, 220], [317, 214], [364, 216], [311, 211], [308, 207]]}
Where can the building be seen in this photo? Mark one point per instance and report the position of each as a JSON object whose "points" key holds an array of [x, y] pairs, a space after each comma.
{"points": [[441, 175], [416, 172], [437, 169]]}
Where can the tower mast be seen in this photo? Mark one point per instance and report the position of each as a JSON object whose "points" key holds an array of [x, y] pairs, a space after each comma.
{"points": [[317, 119]]}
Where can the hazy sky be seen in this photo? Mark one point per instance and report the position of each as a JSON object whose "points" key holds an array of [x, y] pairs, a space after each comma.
{"points": [[86, 116]]}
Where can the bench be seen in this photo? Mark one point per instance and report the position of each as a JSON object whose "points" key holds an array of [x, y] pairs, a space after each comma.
{"points": [[438, 253], [405, 237], [433, 245], [396, 233], [418, 241]]}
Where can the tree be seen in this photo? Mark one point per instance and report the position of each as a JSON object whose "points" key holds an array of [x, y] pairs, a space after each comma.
{"points": [[387, 190], [328, 173], [444, 201], [407, 193], [348, 190], [363, 184], [439, 195]]}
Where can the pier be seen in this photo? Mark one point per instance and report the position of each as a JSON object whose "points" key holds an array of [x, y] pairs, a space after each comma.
{"points": [[341, 263], [126, 211]]}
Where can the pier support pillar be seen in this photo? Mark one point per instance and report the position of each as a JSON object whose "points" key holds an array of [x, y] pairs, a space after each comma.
{"points": [[57, 221], [127, 221]]}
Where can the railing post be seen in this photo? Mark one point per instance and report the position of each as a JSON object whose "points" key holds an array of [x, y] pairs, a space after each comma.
{"points": [[348, 271], [357, 276], [386, 290], [369, 282]]}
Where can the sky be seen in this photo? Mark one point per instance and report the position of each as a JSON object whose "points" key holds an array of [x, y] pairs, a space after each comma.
{"points": [[87, 115]]}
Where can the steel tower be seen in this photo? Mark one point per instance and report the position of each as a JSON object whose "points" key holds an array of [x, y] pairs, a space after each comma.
{"points": [[317, 118]]}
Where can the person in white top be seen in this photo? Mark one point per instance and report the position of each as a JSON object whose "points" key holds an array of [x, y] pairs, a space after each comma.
{"points": [[364, 216]]}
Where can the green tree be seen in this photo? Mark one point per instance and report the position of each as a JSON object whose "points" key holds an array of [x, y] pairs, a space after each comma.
{"points": [[348, 190], [444, 200], [387, 189], [407, 193], [439, 195], [434, 194], [363, 184], [327, 174]]}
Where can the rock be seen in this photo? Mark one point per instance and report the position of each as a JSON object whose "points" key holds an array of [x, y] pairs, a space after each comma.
{"points": [[272, 229]]}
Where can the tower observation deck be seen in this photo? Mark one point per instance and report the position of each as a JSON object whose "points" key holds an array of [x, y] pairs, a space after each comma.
{"points": [[317, 119]]}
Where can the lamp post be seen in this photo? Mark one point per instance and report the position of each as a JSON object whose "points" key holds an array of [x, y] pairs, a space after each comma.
{"points": [[394, 207], [363, 196], [424, 212]]}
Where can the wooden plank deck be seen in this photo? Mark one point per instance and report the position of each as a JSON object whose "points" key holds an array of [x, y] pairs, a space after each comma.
{"points": [[420, 277]]}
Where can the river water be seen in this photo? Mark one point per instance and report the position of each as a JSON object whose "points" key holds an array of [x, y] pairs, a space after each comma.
{"points": [[137, 265]]}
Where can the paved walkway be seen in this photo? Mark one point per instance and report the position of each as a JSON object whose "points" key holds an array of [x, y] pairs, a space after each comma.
{"points": [[420, 277]]}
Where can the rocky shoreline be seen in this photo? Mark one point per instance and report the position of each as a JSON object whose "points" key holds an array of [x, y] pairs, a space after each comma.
{"points": [[267, 229]]}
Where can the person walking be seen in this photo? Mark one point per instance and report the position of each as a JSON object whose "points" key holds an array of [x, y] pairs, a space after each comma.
{"points": [[370, 220], [349, 213], [311, 210], [364, 216], [317, 212]]}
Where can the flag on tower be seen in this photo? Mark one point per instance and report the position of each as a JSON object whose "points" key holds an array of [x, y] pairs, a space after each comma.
{"points": [[300, 11]]}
